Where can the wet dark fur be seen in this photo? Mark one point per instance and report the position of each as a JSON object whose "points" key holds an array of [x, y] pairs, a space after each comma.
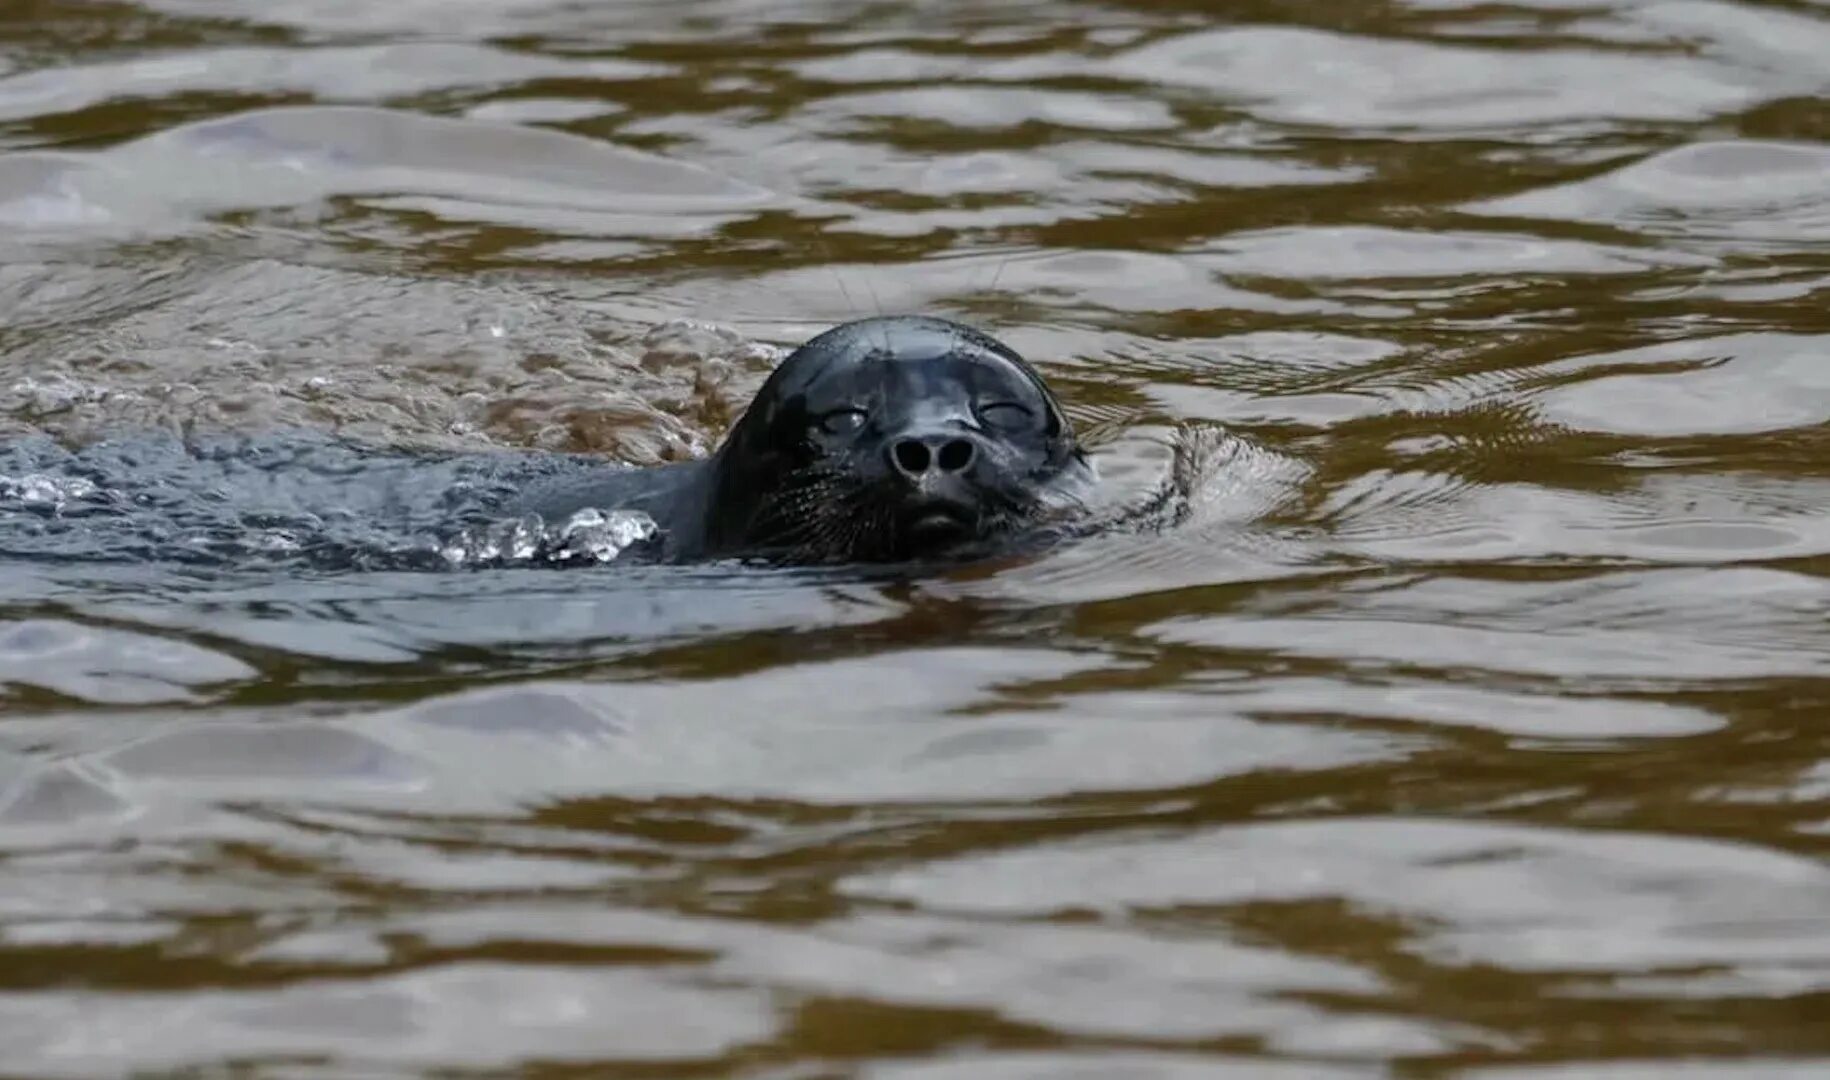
{"points": [[811, 472]]}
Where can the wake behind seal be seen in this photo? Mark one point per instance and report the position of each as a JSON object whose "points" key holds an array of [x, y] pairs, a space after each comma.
{"points": [[885, 440]]}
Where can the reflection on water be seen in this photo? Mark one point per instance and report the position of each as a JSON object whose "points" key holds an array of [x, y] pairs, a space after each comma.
{"points": [[1468, 722]]}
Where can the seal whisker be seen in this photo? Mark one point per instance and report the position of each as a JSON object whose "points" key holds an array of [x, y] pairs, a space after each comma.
{"points": [[876, 301], [999, 272], [850, 304]]}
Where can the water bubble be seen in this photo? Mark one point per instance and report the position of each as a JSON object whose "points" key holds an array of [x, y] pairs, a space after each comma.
{"points": [[37, 490], [277, 541], [56, 393], [588, 536], [592, 535]]}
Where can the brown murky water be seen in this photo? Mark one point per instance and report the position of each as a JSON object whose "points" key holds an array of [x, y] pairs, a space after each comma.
{"points": [[1476, 726]]}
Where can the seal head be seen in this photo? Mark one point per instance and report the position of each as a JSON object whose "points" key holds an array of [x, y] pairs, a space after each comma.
{"points": [[889, 440]]}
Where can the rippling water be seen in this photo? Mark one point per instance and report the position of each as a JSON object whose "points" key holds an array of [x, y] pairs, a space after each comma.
{"points": [[1473, 722]]}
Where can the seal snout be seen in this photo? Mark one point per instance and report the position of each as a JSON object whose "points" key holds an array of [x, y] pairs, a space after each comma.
{"points": [[917, 457]]}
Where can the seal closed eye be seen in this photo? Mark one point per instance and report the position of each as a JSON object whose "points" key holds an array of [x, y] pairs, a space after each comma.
{"points": [[883, 440]]}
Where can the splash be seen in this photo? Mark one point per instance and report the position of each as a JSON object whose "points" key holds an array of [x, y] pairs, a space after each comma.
{"points": [[588, 536]]}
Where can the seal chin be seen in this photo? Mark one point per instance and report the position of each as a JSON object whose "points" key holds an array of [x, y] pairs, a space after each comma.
{"points": [[934, 527]]}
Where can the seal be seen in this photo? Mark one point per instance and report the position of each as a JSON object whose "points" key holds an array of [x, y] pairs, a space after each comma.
{"points": [[885, 440]]}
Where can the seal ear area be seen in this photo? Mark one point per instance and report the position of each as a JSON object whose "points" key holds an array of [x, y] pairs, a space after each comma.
{"points": [[1055, 426], [997, 354]]}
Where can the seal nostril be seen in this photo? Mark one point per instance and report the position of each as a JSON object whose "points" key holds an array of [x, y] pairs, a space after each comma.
{"points": [[955, 456], [910, 456]]}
